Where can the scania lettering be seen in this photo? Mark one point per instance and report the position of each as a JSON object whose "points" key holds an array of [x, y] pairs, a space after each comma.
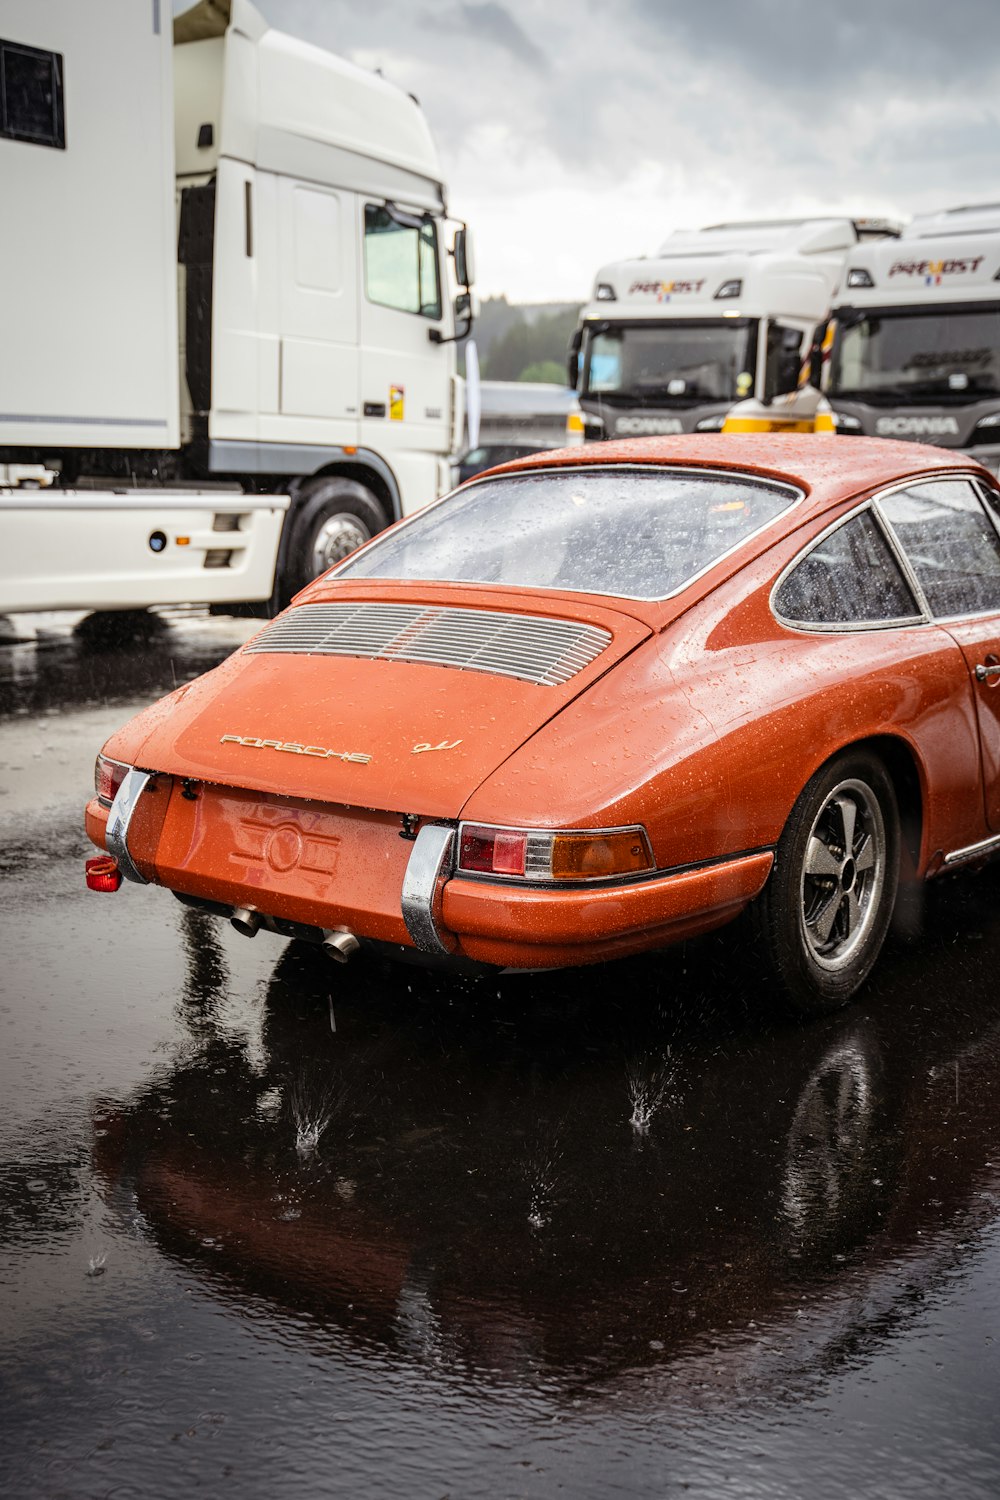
{"points": [[714, 331], [916, 427], [648, 426], [913, 348], [230, 357]]}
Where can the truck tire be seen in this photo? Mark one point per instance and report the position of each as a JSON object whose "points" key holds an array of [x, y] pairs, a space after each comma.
{"points": [[118, 629], [334, 517]]}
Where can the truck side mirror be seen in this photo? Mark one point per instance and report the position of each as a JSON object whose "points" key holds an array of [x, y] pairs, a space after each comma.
{"points": [[466, 311], [573, 360], [784, 362], [816, 356], [789, 366], [465, 269]]}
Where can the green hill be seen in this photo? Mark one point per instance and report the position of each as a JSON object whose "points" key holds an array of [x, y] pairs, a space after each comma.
{"points": [[523, 341]]}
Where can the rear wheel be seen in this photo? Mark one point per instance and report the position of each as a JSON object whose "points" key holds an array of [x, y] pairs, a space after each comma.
{"points": [[334, 518], [823, 916]]}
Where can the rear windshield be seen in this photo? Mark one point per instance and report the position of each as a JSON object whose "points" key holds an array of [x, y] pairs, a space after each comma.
{"points": [[622, 532]]}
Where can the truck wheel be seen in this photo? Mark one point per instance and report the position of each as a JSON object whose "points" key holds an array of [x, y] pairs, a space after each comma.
{"points": [[117, 629], [823, 915], [334, 517]]}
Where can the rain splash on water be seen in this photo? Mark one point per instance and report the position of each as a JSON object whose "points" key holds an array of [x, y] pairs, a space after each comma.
{"points": [[649, 1084], [312, 1105], [542, 1173]]}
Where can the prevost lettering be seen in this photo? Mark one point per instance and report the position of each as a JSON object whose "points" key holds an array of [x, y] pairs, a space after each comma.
{"points": [[659, 288], [962, 266], [916, 427]]}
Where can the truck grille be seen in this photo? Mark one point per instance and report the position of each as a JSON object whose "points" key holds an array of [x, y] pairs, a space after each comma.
{"points": [[533, 648]]}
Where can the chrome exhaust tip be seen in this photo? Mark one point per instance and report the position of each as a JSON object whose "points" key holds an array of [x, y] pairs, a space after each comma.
{"points": [[245, 921], [341, 945]]}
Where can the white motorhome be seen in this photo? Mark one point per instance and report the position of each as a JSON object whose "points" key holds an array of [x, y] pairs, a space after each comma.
{"points": [[718, 316], [226, 263], [914, 345]]}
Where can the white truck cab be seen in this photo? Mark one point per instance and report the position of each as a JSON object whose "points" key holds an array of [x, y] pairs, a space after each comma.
{"points": [[229, 270], [719, 316], [913, 349]]}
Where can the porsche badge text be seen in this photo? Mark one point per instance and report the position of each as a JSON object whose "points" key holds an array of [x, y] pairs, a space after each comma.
{"points": [[250, 743]]}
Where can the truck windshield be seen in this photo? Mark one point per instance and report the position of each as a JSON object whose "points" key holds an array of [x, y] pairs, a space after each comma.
{"points": [[631, 534], [671, 364], [949, 354]]}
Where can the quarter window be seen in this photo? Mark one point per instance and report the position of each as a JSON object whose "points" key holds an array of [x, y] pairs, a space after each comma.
{"points": [[31, 95], [401, 262], [850, 578], [950, 543]]}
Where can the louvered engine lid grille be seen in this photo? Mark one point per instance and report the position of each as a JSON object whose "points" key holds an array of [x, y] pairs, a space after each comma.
{"points": [[534, 648]]}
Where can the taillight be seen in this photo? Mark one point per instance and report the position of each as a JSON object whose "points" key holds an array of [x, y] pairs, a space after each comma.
{"points": [[103, 873], [584, 854], [108, 777]]}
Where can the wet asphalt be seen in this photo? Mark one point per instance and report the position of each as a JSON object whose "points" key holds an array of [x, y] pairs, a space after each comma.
{"points": [[270, 1227]]}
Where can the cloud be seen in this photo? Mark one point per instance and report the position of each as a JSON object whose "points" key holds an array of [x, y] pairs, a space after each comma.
{"points": [[825, 53], [574, 133], [495, 23]]}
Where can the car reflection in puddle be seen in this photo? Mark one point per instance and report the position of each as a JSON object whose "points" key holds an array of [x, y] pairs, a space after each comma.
{"points": [[463, 1181]]}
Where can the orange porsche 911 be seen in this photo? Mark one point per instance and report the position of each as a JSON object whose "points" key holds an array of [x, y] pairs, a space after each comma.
{"points": [[596, 702]]}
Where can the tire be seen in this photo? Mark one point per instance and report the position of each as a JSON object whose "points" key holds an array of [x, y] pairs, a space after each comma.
{"points": [[335, 516], [118, 629], [820, 921]]}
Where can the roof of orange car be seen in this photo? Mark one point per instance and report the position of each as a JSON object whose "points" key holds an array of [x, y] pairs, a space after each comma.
{"points": [[827, 467]]}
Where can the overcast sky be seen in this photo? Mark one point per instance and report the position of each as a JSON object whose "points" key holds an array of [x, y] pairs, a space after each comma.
{"points": [[576, 133]]}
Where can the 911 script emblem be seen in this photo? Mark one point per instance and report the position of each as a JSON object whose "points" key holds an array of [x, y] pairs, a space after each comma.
{"points": [[423, 747]]}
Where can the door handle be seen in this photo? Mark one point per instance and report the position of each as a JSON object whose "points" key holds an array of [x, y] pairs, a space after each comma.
{"points": [[986, 670]]}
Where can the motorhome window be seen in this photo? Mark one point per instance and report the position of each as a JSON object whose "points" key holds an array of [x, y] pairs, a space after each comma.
{"points": [[849, 578], [670, 363], [949, 354], [618, 532], [31, 95], [401, 263], [950, 543]]}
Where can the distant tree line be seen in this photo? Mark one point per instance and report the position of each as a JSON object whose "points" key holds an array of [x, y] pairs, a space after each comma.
{"points": [[524, 342]]}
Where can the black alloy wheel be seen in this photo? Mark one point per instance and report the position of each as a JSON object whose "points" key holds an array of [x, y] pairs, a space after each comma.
{"points": [[822, 918]]}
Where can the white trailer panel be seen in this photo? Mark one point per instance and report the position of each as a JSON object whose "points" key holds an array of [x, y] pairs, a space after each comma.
{"points": [[66, 549], [89, 276]]}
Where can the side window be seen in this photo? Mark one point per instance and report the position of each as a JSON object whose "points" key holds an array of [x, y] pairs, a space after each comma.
{"points": [[401, 263], [31, 95], [850, 578], [950, 543]]}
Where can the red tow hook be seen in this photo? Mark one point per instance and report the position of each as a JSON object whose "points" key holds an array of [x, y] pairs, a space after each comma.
{"points": [[103, 873]]}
